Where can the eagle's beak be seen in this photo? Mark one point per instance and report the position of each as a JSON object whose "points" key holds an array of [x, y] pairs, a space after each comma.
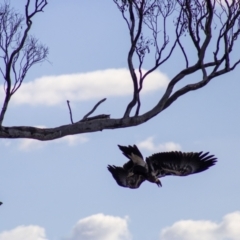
{"points": [[159, 183]]}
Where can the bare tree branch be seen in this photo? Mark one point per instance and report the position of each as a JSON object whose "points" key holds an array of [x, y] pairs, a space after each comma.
{"points": [[209, 27], [86, 118], [196, 19], [14, 42], [145, 15]]}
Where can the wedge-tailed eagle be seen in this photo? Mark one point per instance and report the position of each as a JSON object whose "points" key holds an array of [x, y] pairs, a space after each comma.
{"points": [[136, 170]]}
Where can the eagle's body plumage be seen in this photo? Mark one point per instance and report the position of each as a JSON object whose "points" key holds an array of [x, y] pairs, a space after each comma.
{"points": [[136, 170]]}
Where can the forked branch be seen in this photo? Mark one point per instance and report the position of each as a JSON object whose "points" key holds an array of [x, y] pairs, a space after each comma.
{"points": [[142, 16]]}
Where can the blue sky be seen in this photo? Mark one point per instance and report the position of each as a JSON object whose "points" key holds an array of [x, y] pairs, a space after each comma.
{"points": [[62, 189]]}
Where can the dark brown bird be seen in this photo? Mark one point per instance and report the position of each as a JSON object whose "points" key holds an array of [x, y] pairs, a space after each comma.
{"points": [[136, 170]]}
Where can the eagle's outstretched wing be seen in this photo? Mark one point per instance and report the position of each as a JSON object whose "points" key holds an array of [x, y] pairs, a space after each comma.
{"points": [[124, 179], [136, 162], [180, 163], [128, 151]]}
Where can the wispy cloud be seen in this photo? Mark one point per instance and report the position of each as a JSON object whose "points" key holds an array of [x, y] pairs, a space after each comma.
{"points": [[227, 229], [53, 90], [100, 226], [149, 145], [24, 232], [31, 144]]}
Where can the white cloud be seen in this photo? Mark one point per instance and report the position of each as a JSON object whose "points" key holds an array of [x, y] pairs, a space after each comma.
{"points": [[95, 227], [24, 233], [227, 229], [31, 144], [53, 90], [100, 226], [149, 145]]}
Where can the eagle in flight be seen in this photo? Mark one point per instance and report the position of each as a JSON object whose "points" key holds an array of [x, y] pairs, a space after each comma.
{"points": [[136, 170]]}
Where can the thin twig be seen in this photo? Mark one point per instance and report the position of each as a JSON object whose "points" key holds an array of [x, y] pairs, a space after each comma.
{"points": [[94, 108], [70, 111]]}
